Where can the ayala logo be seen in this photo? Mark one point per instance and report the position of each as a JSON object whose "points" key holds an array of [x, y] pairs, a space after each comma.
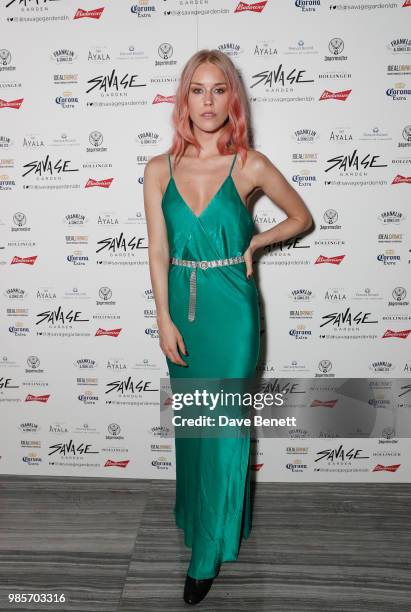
{"points": [[341, 318], [92, 14], [33, 141], [11, 103], [58, 316], [337, 259], [257, 7], [123, 463], [41, 168], [403, 334], [58, 428], [256, 467], [37, 398], [108, 332], [279, 76], [112, 81], [106, 183], [353, 161], [335, 295], [401, 179], [386, 468], [24, 260], [115, 244], [159, 98], [338, 95]]}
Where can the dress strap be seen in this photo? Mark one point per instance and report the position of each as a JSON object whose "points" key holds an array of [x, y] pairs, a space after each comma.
{"points": [[169, 163], [232, 165]]}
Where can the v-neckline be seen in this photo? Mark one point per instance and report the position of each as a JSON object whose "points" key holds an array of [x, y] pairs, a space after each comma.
{"points": [[212, 199], [209, 203]]}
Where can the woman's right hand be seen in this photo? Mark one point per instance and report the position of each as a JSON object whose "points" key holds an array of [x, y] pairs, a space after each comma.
{"points": [[170, 339]]}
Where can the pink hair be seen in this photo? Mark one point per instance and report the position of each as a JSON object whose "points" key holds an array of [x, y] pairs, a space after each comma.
{"points": [[234, 137]]}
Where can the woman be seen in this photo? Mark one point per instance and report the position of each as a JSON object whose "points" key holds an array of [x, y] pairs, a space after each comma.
{"points": [[201, 247]]}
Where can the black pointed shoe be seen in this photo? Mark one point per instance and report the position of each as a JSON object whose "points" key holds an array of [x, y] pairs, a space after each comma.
{"points": [[195, 590]]}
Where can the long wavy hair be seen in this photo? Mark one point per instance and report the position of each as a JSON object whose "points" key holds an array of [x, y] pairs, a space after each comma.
{"points": [[234, 136]]}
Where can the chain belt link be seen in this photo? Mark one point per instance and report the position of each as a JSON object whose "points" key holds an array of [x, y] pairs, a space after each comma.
{"points": [[203, 265]]}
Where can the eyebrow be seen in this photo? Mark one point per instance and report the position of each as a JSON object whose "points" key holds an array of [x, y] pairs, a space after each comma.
{"points": [[197, 83]]}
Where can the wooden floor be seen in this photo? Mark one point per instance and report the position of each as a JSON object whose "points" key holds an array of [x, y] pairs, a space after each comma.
{"points": [[111, 545]]}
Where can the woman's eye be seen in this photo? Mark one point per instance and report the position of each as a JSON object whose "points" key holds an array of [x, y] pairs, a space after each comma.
{"points": [[197, 89]]}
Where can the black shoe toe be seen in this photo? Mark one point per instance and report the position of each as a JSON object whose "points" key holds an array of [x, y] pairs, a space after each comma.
{"points": [[195, 590]]}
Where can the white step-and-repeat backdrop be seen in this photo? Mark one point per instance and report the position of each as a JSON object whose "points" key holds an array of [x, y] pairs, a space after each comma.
{"points": [[86, 94]]}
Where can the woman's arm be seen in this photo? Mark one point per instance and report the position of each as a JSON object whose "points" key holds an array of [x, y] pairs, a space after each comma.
{"points": [[158, 256], [268, 178], [158, 250]]}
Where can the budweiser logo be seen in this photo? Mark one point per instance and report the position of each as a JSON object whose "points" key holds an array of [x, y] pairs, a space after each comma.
{"points": [[327, 404], [122, 464], [37, 398], [24, 260], [103, 183], [257, 7], [337, 259], [338, 95], [11, 104], [159, 98], [401, 179], [390, 333], [386, 468], [93, 14], [108, 332]]}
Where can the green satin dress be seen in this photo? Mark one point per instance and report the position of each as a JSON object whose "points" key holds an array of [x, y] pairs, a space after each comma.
{"points": [[212, 503]]}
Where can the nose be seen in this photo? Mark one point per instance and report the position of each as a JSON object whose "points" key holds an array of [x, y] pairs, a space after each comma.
{"points": [[208, 96]]}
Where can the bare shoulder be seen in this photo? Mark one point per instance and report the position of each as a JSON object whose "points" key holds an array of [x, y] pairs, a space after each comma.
{"points": [[258, 166], [257, 161], [156, 174], [156, 165]]}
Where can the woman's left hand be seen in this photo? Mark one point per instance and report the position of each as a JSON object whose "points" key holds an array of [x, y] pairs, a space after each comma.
{"points": [[248, 259]]}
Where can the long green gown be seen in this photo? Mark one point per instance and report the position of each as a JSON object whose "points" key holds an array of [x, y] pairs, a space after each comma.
{"points": [[212, 503]]}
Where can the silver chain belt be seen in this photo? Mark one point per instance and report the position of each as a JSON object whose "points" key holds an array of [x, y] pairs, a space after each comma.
{"points": [[203, 265]]}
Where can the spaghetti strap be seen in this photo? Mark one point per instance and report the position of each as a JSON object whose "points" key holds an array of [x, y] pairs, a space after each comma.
{"points": [[232, 165], [169, 163]]}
